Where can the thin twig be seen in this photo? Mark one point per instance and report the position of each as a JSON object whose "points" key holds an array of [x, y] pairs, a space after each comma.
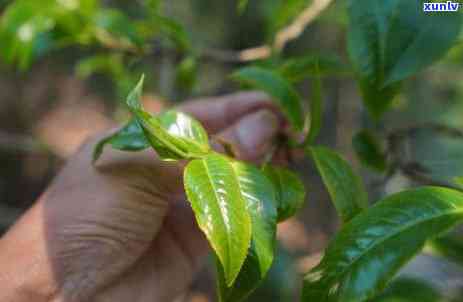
{"points": [[296, 28], [283, 37], [415, 174], [436, 127]]}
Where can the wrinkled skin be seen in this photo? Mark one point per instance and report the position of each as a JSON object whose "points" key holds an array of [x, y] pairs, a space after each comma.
{"points": [[122, 230]]}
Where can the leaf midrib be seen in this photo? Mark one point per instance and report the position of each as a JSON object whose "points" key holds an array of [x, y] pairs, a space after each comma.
{"points": [[206, 168], [399, 230]]}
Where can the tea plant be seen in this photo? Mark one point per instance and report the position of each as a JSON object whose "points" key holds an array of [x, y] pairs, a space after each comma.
{"points": [[238, 205]]}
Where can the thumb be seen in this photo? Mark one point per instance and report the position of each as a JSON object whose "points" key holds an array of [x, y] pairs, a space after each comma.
{"points": [[252, 136]]}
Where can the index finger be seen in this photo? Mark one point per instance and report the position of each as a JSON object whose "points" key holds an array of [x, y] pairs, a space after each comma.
{"points": [[217, 113]]}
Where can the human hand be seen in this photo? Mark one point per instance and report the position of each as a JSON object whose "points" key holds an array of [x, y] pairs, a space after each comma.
{"points": [[123, 231]]}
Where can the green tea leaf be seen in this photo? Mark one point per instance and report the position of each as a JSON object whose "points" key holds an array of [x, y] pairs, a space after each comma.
{"points": [[259, 195], [389, 41], [282, 92], [378, 99], [345, 187], [369, 151], [421, 44], [129, 138], [289, 189], [368, 251], [298, 68], [409, 290], [173, 135], [221, 210]]}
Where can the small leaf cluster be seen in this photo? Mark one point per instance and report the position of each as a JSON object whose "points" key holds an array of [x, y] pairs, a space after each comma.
{"points": [[236, 204]]}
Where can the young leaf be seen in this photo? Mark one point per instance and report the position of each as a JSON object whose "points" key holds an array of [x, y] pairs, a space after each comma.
{"points": [[369, 250], [289, 189], [129, 138], [213, 189], [173, 135], [259, 195], [316, 109], [389, 41], [278, 88], [345, 187], [182, 126], [368, 150]]}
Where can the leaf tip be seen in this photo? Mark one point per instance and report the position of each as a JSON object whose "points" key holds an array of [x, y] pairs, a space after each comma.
{"points": [[133, 100], [98, 149]]}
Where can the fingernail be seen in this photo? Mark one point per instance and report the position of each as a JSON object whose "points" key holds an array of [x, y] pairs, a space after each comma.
{"points": [[255, 130]]}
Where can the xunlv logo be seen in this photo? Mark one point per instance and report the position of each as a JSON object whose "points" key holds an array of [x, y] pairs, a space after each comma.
{"points": [[448, 6]]}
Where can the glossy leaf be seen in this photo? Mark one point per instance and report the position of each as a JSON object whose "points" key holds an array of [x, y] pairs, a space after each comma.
{"points": [[389, 41], [316, 109], [409, 290], [290, 191], [173, 135], [369, 151], [260, 197], [129, 138], [298, 68], [345, 187], [213, 189], [373, 246], [281, 91]]}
